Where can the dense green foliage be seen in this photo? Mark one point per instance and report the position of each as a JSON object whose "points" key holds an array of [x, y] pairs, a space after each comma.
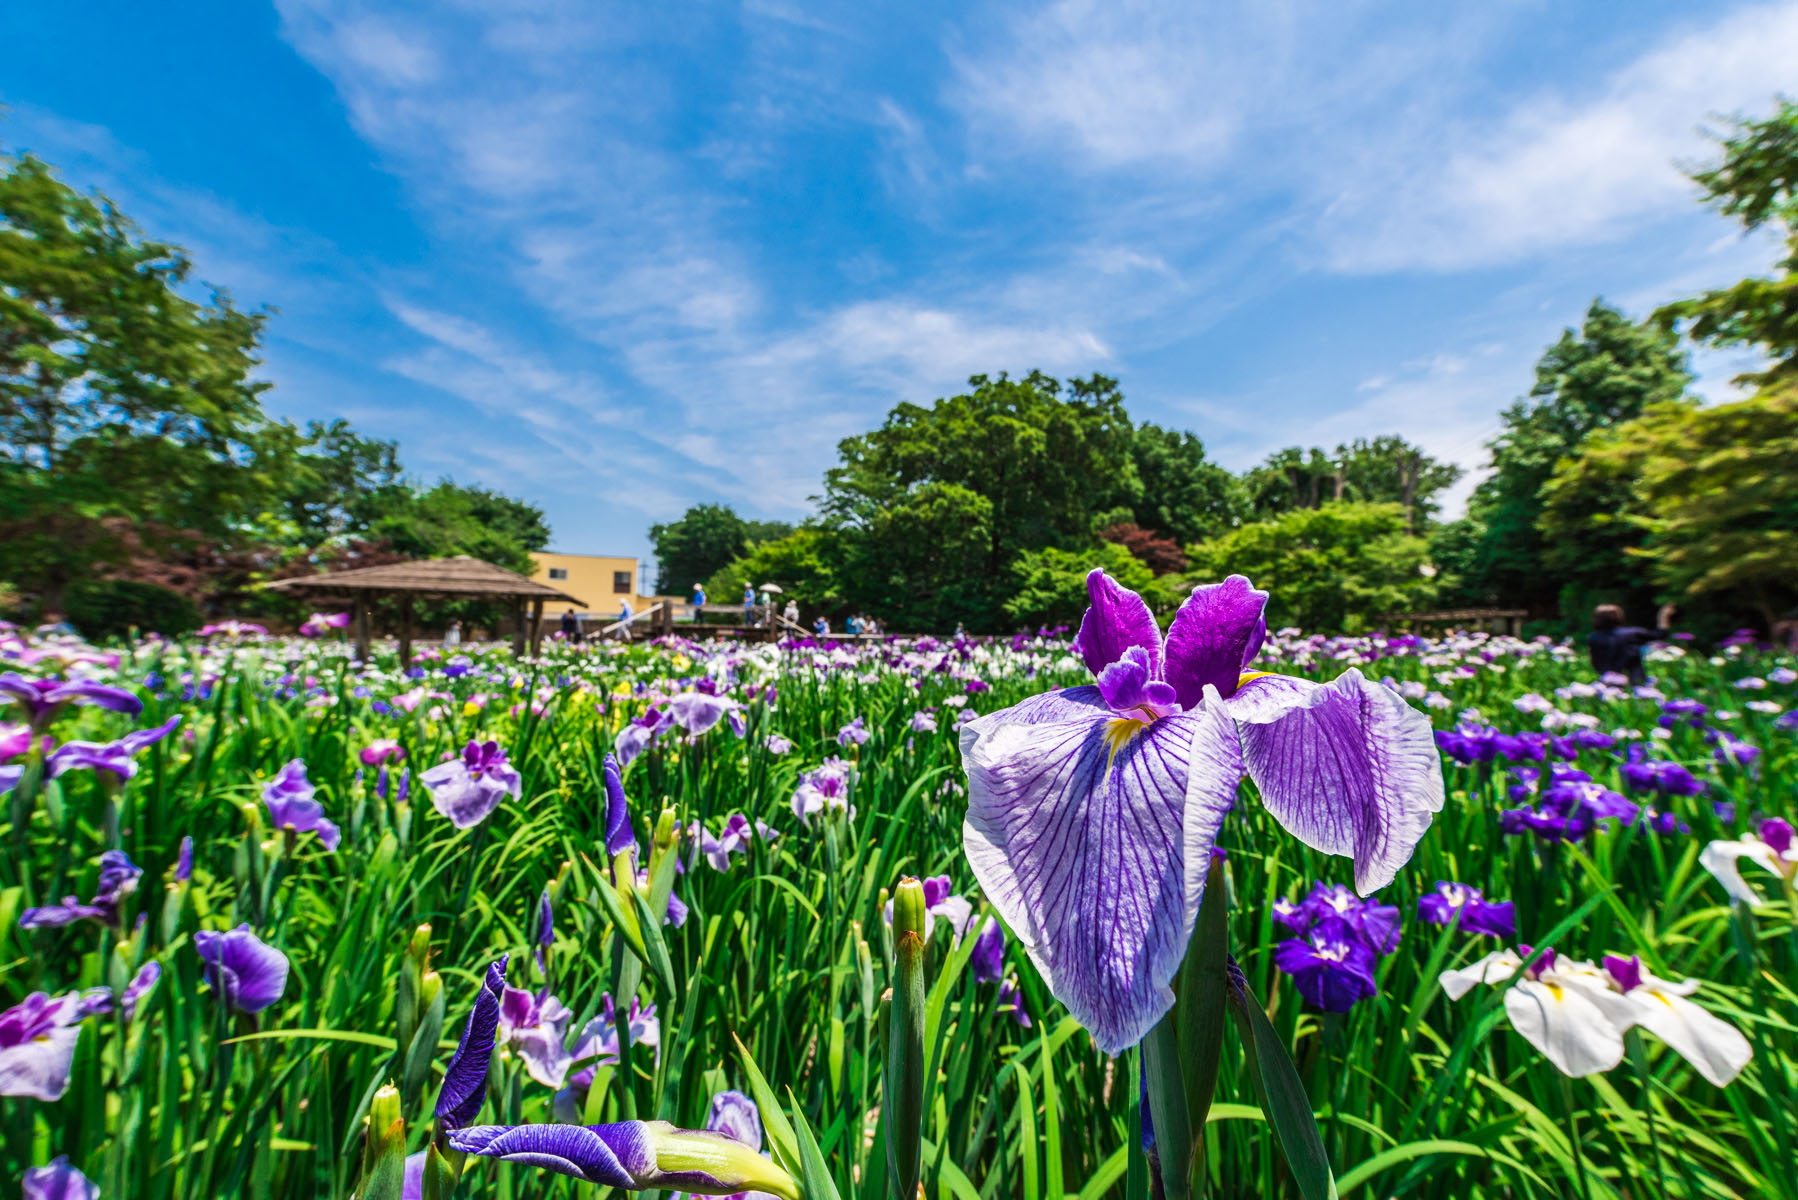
{"points": [[134, 443], [1337, 566], [706, 539], [113, 608]]}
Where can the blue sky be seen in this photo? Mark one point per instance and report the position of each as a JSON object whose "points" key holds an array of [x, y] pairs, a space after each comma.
{"points": [[618, 259]]}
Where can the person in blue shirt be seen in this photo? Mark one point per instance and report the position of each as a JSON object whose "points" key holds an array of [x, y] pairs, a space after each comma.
{"points": [[698, 597], [1616, 647], [748, 604], [853, 625]]}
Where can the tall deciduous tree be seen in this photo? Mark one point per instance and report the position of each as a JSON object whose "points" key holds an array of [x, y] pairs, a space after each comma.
{"points": [[1336, 567], [1185, 496], [1757, 183], [1019, 464], [1608, 372], [707, 538], [125, 407], [1713, 492]]}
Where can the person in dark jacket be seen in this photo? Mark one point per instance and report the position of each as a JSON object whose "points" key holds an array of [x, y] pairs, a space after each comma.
{"points": [[1616, 647]]}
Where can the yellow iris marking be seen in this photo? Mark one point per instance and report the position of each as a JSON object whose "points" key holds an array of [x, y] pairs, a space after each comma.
{"points": [[1250, 677], [1554, 989], [1118, 731]]}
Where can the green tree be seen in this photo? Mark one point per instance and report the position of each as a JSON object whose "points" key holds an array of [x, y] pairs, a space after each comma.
{"points": [[795, 563], [1332, 568], [1609, 372], [1027, 463], [126, 408], [450, 519], [1757, 183], [706, 539], [1292, 478], [1713, 491], [1185, 496], [1389, 470], [337, 477], [1049, 585]]}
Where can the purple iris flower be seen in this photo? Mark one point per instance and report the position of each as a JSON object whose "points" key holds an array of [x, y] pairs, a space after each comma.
{"points": [[620, 1155], [1478, 914], [467, 789], [1092, 811], [14, 741], [1735, 752], [697, 712], [118, 879], [598, 1044], [619, 835], [536, 1027], [245, 972], [1011, 1001], [853, 734], [1375, 924], [37, 1044], [139, 988], [676, 914], [184, 861], [118, 758], [1658, 776], [1331, 965], [546, 926], [736, 1117], [291, 806], [989, 953], [464, 1087], [59, 1181], [44, 698]]}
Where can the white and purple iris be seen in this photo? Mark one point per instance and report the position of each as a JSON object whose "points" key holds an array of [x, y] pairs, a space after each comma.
{"points": [[1093, 810], [468, 788], [1773, 847], [1576, 1013]]}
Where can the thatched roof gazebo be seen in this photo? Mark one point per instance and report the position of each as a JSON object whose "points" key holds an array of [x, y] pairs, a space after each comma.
{"points": [[459, 576]]}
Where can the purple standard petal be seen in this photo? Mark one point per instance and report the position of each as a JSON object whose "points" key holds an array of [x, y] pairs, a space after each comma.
{"points": [[1117, 620], [1216, 634], [138, 988], [464, 1087], [142, 739], [291, 806], [58, 1181], [621, 1155], [619, 835], [989, 952], [246, 972], [1092, 838], [1347, 767]]}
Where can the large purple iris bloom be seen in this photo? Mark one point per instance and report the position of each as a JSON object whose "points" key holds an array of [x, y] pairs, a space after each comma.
{"points": [[44, 698], [466, 789], [292, 806], [37, 1044], [1092, 811], [118, 879]]}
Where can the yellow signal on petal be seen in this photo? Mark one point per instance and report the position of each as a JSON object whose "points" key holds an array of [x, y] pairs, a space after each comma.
{"points": [[1249, 677], [1118, 731]]}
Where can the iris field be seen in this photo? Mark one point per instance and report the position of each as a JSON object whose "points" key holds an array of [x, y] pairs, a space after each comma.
{"points": [[383, 836]]}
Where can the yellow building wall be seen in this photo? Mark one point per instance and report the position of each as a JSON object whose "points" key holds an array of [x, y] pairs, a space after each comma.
{"points": [[590, 578]]}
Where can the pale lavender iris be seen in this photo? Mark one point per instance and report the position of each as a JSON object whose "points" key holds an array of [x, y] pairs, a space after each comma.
{"points": [[44, 698], [291, 805], [468, 788], [1093, 811], [116, 758], [118, 879], [534, 1027], [59, 1181], [597, 1047], [697, 712], [245, 972], [37, 1044]]}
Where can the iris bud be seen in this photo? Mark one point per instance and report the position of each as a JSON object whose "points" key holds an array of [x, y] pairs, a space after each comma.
{"points": [[724, 1161], [384, 1145], [903, 1084]]}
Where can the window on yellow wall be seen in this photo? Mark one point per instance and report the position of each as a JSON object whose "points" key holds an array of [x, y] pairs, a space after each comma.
{"points": [[558, 572], [621, 582]]}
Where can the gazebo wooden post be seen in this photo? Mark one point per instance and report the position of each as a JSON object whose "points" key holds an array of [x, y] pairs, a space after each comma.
{"points": [[405, 629], [536, 626], [518, 630], [360, 620]]}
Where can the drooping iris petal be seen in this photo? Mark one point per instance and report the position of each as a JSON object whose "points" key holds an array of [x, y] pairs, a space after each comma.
{"points": [[618, 810], [1092, 838], [1347, 767], [244, 971], [1716, 1049], [620, 1155], [1117, 620], [465, 1079], [1568, 1022], [1217, 631]]}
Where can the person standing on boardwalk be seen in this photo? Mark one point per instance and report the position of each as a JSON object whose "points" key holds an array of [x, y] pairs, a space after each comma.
{"points": [[1616, 647]]}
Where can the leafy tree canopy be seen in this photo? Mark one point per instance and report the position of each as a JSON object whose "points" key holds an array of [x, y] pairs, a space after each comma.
{"points": [[1338, 566], [1382, 470], [706, 539], [1185, 496], [796, 563]]}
